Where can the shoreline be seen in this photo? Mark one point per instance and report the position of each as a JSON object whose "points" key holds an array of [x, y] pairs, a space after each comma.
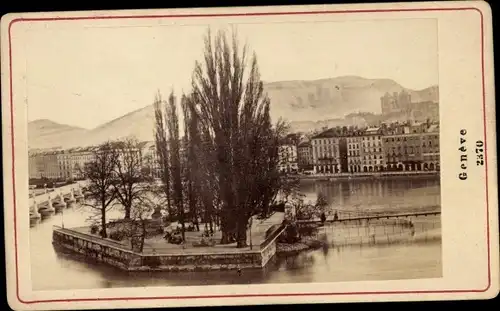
{"points": [[358, 176], [305, 244]]}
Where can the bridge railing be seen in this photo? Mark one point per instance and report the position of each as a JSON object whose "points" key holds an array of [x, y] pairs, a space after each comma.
{"points": [[345, 232], [354, 214]]}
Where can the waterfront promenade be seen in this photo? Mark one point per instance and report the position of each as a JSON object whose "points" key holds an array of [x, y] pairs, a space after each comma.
{"points": [[362, 175]]}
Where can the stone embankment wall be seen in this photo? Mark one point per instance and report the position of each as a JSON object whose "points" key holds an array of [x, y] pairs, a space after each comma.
{"points": [[116, 254]]}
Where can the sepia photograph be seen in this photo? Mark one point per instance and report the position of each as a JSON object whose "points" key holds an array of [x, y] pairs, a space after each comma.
{"points": [[179, 152], [197, 155]]}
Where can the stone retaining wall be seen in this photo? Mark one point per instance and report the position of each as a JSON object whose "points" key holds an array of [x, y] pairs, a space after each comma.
{"points": [[118, 256]]}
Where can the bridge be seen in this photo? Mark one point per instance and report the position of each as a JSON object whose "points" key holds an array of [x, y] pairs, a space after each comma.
{"points": [[52, 200], [55, 192], [374, 216]]}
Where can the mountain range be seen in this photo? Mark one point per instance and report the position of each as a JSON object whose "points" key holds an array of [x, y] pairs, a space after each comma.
{"points": [[307, 105]]}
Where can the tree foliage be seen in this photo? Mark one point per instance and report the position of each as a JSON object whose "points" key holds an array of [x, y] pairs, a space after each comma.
{"points": [[235, 113], [175, 159], [161, 142]]}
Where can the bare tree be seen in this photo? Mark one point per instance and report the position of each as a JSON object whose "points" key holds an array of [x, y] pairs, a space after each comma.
{"points": [[100, 174], [161, 142], [131, 182], [139, 222]]}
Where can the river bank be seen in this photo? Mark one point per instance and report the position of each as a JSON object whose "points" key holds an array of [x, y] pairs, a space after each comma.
{"points": [[369, 175], [325, 264]]}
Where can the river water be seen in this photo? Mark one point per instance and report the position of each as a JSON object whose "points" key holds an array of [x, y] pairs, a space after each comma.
{"points": [[51, 270]]}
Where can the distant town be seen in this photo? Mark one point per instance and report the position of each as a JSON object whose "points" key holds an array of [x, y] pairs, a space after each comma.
{"points": [[411, 146]]}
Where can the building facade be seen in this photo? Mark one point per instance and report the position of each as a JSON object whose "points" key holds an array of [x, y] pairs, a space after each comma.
{"points": [[372, 159], [412, 147], [430, 149], [288, 158], [44, 164], [326, 155], [354, 152], [305, 158]]}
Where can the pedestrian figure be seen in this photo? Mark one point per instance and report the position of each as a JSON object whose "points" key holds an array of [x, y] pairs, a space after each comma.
{"points": [[335, 216], [323, 217]]}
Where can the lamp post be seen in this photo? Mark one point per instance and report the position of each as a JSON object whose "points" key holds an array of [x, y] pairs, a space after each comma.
{"points": [[62, 218], [250, 223]]}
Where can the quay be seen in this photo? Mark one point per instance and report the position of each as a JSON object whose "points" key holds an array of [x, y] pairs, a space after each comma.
{"points": [[366, 175], [158, 255]]}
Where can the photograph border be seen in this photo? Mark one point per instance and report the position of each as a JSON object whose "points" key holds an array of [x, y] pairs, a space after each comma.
{"points": [[241, 14]]}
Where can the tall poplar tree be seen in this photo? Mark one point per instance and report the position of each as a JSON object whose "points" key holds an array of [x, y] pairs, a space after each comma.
{"points": [[235, 112]]}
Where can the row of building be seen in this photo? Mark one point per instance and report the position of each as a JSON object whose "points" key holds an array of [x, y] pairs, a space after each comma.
{"points": [[395, 147], [68, 164]]}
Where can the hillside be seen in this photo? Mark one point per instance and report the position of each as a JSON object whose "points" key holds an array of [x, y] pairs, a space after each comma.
{"points": [[46, 133], [307, 105], [139, 123], [335, 97]]}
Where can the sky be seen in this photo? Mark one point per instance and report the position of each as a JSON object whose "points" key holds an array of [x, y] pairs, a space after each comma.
{"points": [[88, 75]]}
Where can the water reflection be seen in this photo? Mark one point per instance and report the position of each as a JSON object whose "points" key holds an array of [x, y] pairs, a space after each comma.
{"points": [[51, 270], [376, 193]]}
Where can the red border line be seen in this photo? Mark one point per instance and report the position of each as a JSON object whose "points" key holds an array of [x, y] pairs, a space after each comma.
{"points": [[246, 15]]}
